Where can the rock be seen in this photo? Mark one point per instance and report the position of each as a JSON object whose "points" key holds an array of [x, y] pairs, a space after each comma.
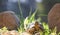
{"points": [[9, 19], [25, 33], [54, 17], [37, 33], [13, 32]]}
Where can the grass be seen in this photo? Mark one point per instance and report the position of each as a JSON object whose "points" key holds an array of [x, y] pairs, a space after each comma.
{"points": [[31, 19], [24, 22]]}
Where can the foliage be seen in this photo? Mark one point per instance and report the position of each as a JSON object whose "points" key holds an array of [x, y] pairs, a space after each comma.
{"points": [[31, 19], [4, 29], [24, 22]]}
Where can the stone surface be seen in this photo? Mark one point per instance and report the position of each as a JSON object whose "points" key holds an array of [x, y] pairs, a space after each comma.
{"points": [[9, 20], [25, 33], [54, 17], [13, 32]]}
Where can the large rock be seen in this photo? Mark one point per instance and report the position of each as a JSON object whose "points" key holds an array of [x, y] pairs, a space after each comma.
{"points": [[54, 17], [9, 19]]}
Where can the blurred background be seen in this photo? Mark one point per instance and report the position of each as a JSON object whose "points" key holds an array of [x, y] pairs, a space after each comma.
{"points": [[26, 6]]}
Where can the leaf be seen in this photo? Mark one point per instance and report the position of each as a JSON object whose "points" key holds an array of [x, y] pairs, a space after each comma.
{"points": [[32, 17], [4, 29], [26, 21], [46, 29], [54, 30], [45, 25], [59, 33]]}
